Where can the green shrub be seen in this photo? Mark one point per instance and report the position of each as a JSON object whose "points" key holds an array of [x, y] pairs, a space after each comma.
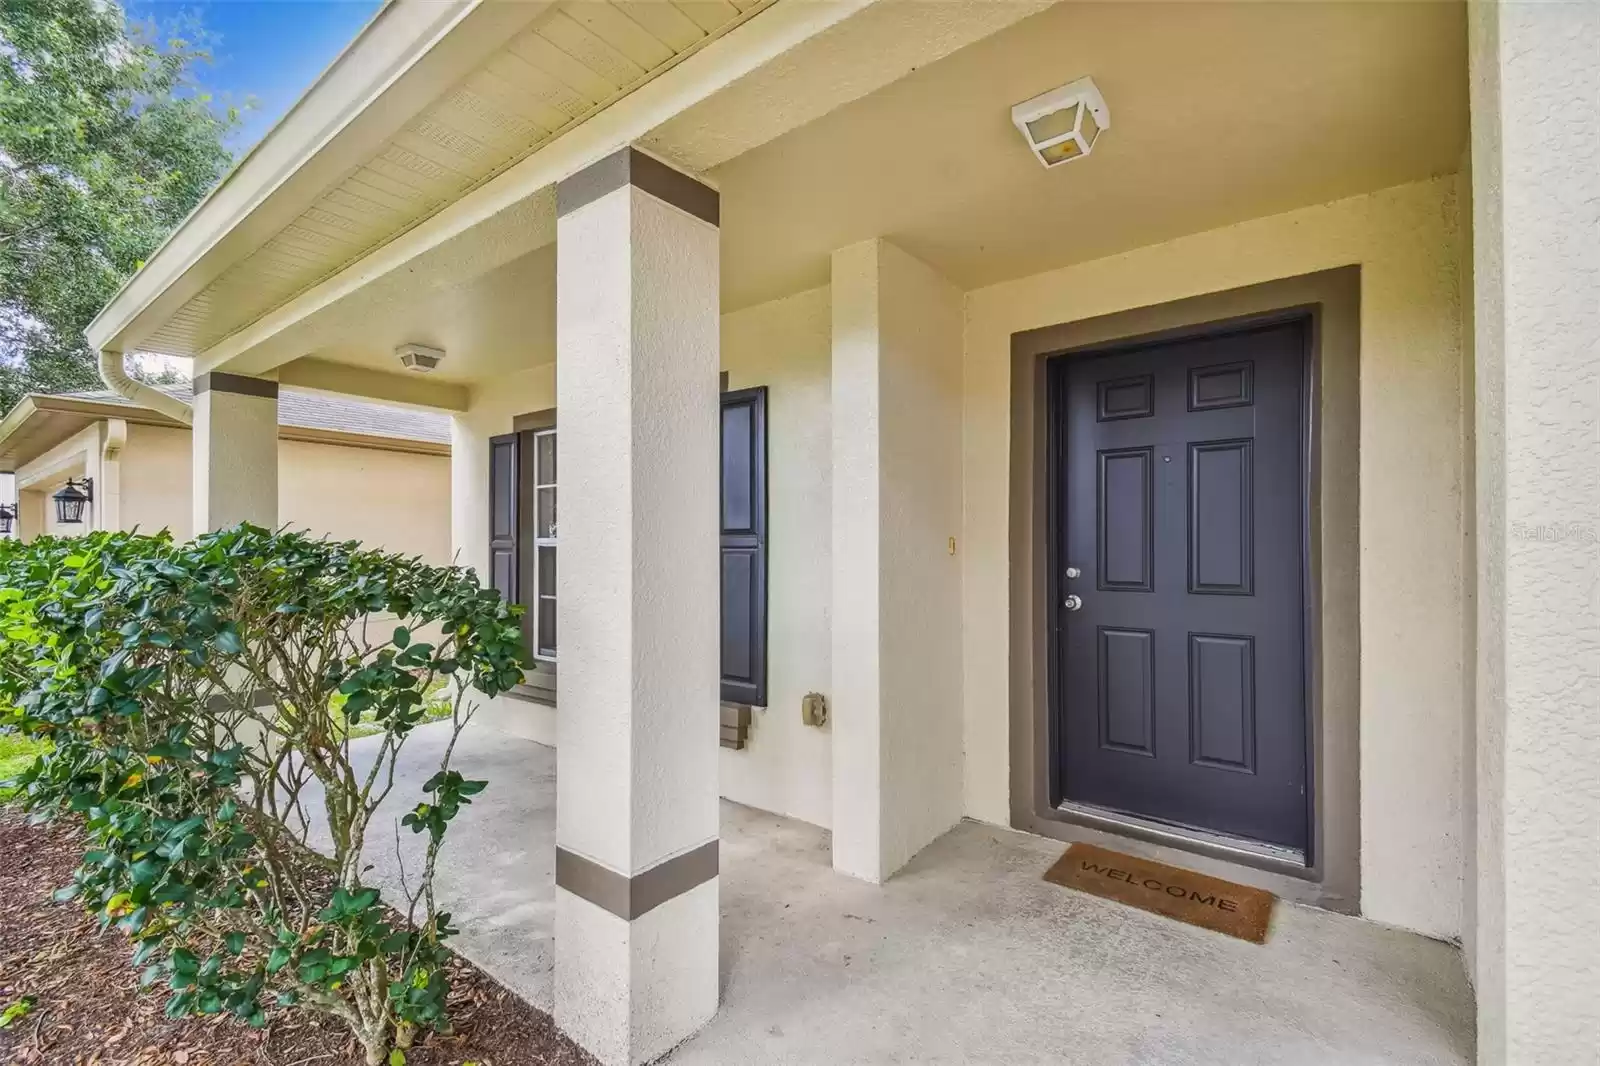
{"points": [[201, 699]]}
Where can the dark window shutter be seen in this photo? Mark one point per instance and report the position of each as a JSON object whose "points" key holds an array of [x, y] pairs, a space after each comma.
{"points": [[744, 546], [504, 554]]}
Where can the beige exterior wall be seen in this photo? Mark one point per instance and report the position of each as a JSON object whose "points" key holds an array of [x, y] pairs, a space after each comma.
{"points": [[896, 505], [385, 499], [158, 481], [1536, 214], [1408, 243], [786, 346]]}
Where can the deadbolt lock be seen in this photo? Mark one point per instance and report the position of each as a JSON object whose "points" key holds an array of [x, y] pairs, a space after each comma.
{"points": [[1073, 571]]}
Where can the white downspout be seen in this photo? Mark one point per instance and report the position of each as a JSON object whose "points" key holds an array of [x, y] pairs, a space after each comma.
{"points": [[114, 372], [107, 501]]}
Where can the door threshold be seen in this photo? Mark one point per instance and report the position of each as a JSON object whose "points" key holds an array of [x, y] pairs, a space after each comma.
{"points": [[1273, 857]]}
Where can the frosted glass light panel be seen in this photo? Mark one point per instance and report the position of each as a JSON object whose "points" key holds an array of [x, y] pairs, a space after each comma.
{"points": [[1063, 124]]}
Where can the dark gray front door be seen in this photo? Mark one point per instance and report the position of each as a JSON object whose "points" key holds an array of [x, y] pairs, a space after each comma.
{"points": [[1178, 516]]}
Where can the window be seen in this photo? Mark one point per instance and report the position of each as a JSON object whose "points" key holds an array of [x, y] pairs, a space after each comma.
{"points": [[542, 598], [523, 542], [522, 538]]}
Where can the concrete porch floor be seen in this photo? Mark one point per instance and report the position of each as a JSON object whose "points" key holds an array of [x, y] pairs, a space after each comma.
{"points": [[966, 956]]}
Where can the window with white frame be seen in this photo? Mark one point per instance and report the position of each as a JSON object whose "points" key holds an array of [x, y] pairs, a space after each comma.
{"points": [[542, 602], [522, 537], [523, 542]]}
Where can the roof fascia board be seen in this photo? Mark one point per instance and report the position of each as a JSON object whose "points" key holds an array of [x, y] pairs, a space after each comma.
{"points": [[75, 453], [17, 418], [33, 407], [373, 442], [746, 48], [127, 412], [401, 61]]}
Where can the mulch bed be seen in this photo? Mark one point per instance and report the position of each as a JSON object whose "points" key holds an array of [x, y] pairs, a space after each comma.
{"points": [[88, 1009]]}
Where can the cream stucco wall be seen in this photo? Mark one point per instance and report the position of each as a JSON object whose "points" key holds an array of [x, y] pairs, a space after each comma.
{"points": [[1408, 242], [896, 505], [784, 345], [1536, 217], [385, 499], [157, 481], [787, 766]]}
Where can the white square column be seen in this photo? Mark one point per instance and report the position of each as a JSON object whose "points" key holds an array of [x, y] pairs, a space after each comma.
{"points": [[637, 319], [1535, 71], [896, 700], [235, 452]]}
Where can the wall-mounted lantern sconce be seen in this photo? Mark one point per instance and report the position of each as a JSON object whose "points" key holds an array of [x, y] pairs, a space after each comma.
{"points": [[72, 499], [8, 518]]}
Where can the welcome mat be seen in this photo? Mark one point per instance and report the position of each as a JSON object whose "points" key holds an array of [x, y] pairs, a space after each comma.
{"points": [[1208, 902]]}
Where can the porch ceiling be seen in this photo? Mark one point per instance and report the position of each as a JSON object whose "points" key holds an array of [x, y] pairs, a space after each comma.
{"points": [[1220, 113], [895, 122], [562, 63], [475, 277]]}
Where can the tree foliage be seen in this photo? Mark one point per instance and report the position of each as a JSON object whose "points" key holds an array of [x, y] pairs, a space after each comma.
{"points": [[105, 145], [189, 692]]}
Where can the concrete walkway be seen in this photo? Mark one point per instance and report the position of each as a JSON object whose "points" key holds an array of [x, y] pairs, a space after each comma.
{"points": [[967, 956]]}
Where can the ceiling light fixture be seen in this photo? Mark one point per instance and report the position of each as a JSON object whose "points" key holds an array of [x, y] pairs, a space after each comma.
{"points": [[1063, 124], [419, 357]]}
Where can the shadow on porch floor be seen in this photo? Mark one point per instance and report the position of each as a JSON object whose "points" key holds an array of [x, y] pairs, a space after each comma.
{"points": [[966, 956]]}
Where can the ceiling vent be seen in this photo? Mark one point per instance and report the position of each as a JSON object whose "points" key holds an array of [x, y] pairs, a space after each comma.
{"points": [[419, 357], [1063, 124]]}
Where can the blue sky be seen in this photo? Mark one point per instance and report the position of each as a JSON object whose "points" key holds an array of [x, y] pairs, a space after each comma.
{"points": [[269, 50]]}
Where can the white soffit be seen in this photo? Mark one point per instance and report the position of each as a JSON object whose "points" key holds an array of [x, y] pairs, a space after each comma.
{"points": [[572, 61]]}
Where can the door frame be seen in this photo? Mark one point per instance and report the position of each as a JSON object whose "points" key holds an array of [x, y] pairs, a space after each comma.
{"points": [[1289, 860], [1328, 874]]}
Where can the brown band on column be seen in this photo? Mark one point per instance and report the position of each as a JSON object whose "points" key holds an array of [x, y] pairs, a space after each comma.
{"points": [[633, 897], [217, 381], [629, 166]]}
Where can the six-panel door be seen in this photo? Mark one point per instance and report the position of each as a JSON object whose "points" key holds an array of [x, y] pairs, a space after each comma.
{"points": [[1180, 503]]}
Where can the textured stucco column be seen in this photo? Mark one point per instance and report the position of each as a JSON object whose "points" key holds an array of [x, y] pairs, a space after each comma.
{"points": [[1536, 236], [637, 604], [897, 774], [235, 451]]}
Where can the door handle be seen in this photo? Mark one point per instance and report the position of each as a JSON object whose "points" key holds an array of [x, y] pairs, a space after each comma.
{"points": [[1073, 602]]}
